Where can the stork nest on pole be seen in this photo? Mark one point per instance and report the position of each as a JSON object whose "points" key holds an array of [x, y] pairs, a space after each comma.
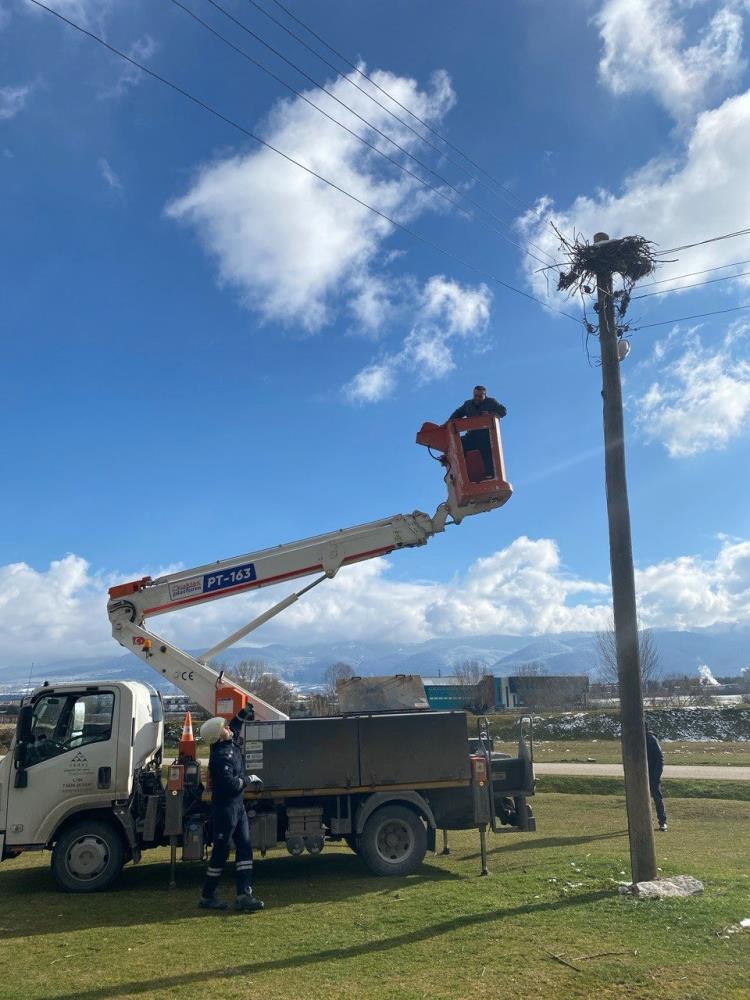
{"points": [[632, 257]]}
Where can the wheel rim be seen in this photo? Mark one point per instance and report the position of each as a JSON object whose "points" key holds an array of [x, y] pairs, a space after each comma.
{"points": [[87, 857], [395, 841]]}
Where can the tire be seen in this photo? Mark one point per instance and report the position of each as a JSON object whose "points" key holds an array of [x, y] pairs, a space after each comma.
{"points": [[393, 841], [88, 856]]}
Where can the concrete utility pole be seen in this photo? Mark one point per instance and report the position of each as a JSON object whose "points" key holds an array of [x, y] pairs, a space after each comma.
{"points": [[637, 796]]}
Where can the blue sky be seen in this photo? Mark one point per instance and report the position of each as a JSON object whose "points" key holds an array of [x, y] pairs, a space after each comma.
{"points": [[207, 351]]}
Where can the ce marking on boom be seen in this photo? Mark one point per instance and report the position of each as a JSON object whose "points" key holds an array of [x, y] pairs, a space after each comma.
{"points": [[187, 675]]}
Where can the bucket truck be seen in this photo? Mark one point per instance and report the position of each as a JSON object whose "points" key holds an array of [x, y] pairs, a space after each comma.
{"points": [[84, 774]]}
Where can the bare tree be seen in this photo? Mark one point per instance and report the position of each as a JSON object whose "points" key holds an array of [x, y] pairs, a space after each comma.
{"points": [[472, 676], [260, 679], [649, 655], [338, 671]]}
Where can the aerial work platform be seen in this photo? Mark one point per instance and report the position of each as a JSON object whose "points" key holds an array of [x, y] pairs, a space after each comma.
{"points": [[472, 452]]}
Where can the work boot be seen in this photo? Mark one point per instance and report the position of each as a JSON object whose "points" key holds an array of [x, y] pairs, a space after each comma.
{"points": [[249, 903], [212, 903]]}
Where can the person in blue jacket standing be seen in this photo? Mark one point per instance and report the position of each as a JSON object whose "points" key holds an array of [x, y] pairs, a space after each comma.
{"points": [[655, 758], [230, 822]]}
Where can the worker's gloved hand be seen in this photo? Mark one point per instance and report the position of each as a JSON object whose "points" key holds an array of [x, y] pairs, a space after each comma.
{"points": [[246, 714], [253, 783]]}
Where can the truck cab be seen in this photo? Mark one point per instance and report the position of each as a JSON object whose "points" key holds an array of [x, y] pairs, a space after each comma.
{"points": [[77, 751]]}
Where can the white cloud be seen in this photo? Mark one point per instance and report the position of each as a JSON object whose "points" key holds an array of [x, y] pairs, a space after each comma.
{"points": [[84, 12], [646, 51], [13, 99], [130, 76], [691, 592], [524, 589], [108, 174], [702, 193], [292, 246], [701, 400], [520, 589], [447, 313], [374, 382]]}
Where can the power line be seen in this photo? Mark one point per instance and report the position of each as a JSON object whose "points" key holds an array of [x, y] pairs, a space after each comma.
{"points": [[712, 239], [290, 159], [694, 274], [366, 142], [365, 121], [390, 96], [693, 284], [680, 319]]}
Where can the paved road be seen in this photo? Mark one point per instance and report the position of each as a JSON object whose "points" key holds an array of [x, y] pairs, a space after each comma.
{"points": [[709, 771]]}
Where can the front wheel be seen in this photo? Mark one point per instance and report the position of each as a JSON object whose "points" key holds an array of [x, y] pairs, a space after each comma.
{"points": [[88, 857], [393, 841]]}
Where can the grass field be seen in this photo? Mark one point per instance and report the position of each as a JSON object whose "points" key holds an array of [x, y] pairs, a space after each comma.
{"points": [[331, 930], [726, 754]]}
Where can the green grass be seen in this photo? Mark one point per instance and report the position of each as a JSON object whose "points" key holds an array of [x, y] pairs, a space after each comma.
{"points": [[681, 788], [729, 754], [333, 931]]}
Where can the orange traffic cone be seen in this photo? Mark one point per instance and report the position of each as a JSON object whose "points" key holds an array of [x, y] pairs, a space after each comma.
{"points": [[186, 746]]}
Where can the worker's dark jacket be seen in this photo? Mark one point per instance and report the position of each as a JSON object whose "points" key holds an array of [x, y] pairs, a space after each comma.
{"points": [[472, 409], [655, 757], [227, 770]]}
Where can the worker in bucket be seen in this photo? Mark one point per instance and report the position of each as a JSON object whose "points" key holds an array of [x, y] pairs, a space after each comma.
{"points": [[655, 758], [479, 404], [228, 783]]}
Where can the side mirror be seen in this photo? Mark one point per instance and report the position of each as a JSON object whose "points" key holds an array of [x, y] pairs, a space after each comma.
{"points": [[23, 736], [25, 719]]}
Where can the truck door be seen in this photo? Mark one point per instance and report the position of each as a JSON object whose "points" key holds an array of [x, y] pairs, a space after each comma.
{"points": [[69, 762]]}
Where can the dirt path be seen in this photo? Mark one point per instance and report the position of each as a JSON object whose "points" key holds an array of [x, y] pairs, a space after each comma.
{"points": [[708, 771]]}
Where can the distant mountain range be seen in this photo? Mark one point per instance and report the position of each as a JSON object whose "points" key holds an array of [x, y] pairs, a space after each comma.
{"points": [[725, 649]]}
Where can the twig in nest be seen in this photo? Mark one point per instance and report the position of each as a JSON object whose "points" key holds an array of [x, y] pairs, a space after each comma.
{"points": [[632, 257]]}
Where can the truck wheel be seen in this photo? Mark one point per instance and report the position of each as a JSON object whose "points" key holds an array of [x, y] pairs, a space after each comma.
{"points": [[393, 842], [87, 857]]}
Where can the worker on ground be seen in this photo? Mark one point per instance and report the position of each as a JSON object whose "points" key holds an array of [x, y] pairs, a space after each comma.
{"points": [[228, 783], [655, 758], [479, 440]]}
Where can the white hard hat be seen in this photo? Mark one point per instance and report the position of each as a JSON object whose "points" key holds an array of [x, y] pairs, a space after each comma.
{"points": [[212, 729]]}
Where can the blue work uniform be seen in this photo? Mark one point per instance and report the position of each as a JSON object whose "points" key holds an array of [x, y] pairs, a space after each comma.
{"points": [[229, 818]]}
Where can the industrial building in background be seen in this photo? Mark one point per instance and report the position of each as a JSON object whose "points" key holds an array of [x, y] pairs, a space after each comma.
{"points": [[530, 692]]}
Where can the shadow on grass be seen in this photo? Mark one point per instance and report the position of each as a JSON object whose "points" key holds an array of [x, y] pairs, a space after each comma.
{"points": [[134, 987], [142, 897], [530, 843]]}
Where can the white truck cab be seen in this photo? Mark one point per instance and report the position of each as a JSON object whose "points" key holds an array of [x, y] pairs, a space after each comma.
{"points": [[77, 751]]}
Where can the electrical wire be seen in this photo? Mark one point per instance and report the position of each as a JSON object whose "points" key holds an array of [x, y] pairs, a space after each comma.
{"points": [[366, 142], [680, 319], [365, 121], [712, 239], [507, 191], [693, 284], [290, 159], [694, 274]]}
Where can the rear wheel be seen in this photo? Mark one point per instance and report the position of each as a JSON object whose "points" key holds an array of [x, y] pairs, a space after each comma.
{"points": [[393, 841], [88, 856]]}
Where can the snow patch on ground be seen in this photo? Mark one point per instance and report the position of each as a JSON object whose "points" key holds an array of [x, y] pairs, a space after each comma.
{"points": [[696, 724]]}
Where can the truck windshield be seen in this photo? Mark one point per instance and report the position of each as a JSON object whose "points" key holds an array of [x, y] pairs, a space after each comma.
{"points": [[63, 722]]}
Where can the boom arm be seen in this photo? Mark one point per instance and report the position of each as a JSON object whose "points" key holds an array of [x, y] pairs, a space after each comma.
{"points": [[132, 603]]}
